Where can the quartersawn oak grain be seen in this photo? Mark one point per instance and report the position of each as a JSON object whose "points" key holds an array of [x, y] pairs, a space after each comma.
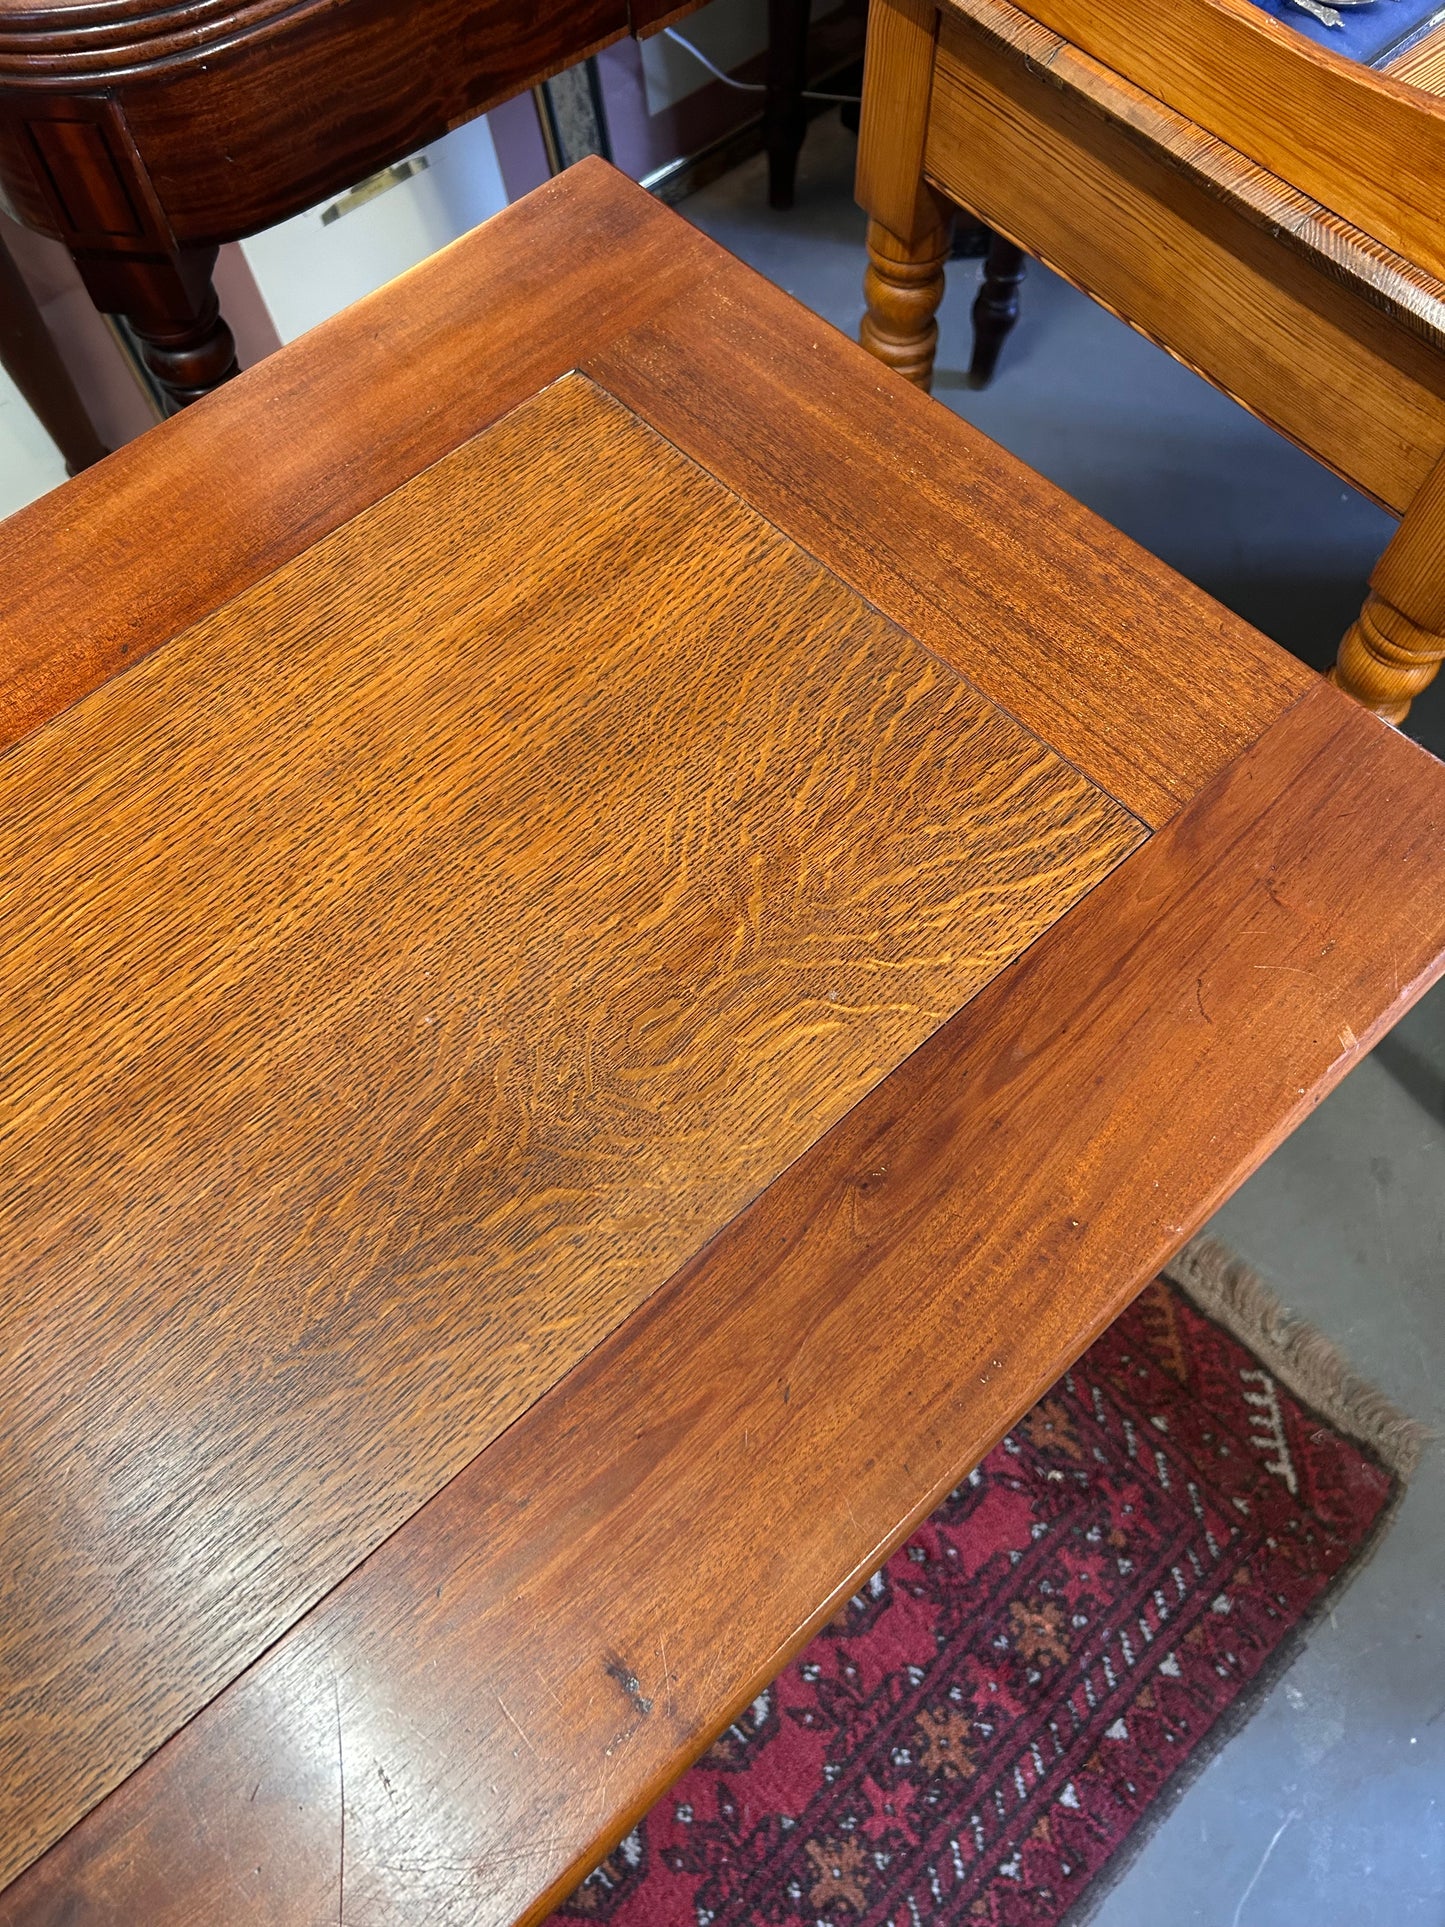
{"points": [[1147, 685], [494, 1697], [172, 524], [1143, 681], [404, 972]]}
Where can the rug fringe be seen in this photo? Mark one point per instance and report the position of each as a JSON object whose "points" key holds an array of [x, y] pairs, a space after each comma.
{"points": [[1298, 1355]]}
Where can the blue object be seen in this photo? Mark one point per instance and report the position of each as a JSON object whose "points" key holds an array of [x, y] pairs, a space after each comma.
{"points": [[1370, 34]]}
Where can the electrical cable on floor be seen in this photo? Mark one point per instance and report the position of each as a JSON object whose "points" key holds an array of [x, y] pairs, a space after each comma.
{"points": [[751, 86]]}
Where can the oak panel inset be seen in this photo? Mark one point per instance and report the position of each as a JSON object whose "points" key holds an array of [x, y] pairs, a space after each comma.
{"points": [[1145, 683], [480, 1710], [405, 970]]}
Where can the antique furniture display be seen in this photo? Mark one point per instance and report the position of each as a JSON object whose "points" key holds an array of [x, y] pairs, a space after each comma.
{"points": [[622, 937], [1265, 209], [143, 135]]}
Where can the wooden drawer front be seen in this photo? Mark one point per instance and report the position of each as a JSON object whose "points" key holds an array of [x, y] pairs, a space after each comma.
{"points": [[1318, 361]]}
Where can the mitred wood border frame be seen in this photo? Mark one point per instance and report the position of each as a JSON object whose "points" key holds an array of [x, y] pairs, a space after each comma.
{"points": [[487, 1703], [1145, 683], [497, 1692]]}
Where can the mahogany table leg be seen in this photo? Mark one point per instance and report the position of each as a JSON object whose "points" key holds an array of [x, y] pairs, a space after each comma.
{"points": [[173, 311], [971, 239], [1396, 644], [33, 363], [996, 309], [189, 354], [784, 121], [903, 287]]}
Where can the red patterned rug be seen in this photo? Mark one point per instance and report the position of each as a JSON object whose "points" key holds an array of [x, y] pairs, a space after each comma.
{"points": [[987, 1732]]}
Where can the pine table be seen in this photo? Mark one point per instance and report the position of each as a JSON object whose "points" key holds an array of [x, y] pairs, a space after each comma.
{"points": [[620, 939]]}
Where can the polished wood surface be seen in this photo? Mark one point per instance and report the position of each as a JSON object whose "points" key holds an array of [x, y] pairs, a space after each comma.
{"points": [[480, 330], [1396, 646], [1147, 685], [497, 1694], [589, 1021], [948, 543], [1423, 65], [1361, 143], [582, 1002], [1398, 287], [1099, 184], [142, 135], [1320, 326], [902, 289]]}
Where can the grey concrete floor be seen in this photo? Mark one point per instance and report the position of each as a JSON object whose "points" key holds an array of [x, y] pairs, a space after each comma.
{"points": [[1328, 1808]]}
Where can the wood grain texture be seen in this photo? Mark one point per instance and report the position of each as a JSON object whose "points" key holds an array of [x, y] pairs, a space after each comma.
{"points": [[1269, 92], [172, 525], [492, 1699], [244, 113], [1139, 210], [405, 971], [1398, 286], [1423, 65], [897, 80], [1394, 649], [902, 288], [1144, 683]]}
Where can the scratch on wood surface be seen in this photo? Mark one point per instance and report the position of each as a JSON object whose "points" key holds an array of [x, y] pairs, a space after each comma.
{"points": [[522, 1731], [341, 1776]]}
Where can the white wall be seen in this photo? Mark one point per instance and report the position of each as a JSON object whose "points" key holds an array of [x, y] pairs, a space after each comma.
{"points": [[306, 271], [29, 461], [728, 32]]}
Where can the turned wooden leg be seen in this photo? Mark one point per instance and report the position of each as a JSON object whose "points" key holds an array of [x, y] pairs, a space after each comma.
{"points": [[188, 358], [784, 121], [174, 314], [1386, 660], [996, 309], [903, 287], [1394, 647]]}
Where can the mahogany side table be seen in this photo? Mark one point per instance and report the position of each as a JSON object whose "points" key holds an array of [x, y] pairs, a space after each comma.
{"points": [[142, 134], [620, 939]]}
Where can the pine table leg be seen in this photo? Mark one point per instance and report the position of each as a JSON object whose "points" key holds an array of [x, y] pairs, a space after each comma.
{"points": [[1393, 649], [903, 287]]}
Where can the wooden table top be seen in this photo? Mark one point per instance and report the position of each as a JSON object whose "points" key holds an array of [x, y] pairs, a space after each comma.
{"points": [[621, 937]]}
